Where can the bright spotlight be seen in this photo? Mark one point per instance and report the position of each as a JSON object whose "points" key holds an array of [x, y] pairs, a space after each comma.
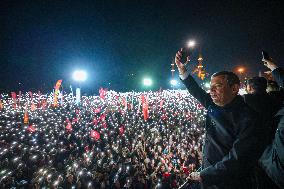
{"points": [[79, 75], [174, 82], [147, 82], [191, 44]]}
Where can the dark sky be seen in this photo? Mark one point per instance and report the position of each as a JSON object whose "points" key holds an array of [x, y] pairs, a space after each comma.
{"points": [[43, 41]]}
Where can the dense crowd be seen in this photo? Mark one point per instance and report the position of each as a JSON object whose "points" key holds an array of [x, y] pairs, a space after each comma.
{"points": [[115, 140]]}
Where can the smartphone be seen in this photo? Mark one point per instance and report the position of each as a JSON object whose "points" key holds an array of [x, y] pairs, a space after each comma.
{"points": [[265, 55], [185, 53]]}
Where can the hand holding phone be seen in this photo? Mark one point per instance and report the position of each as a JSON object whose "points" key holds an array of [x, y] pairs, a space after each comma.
{"points": [[185, 53], [180, 60], [265, 56], [267, 61]]}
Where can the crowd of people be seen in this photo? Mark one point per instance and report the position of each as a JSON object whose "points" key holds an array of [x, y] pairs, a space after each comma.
{"points": [[115, 140]]}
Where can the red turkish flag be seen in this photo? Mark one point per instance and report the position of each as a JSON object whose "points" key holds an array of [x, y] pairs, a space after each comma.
{"points": [[102, 93], [14, 97], [87, 149], [44, 104], [1, 105], [97, 110], [161, 104], [199, 106], [69, 126], [185, 170], [145, 111], [31, 94], [77, 111], [104, 125], [166, 175], [103, 117], [75, 120], [164, 117], [95, 135], [33, 107], [95, 121], [145, 107], [31, 129], [121, 130]]}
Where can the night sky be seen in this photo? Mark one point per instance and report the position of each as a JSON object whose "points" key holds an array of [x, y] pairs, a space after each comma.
{"points": [[120, 42]]}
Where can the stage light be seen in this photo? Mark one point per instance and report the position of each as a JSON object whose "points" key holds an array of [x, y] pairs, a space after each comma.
{"points": [[80, 75]]}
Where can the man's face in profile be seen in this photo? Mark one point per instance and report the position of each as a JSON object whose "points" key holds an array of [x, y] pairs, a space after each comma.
{"points": [[249, 89], [220, 91]]}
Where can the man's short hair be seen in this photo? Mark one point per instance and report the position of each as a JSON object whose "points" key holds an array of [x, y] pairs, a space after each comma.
{"points": [[231, 77], [272, 86], [259, 84]]}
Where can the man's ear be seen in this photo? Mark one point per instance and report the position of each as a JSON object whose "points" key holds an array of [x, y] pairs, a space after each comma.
{"points": [[235, 88]]}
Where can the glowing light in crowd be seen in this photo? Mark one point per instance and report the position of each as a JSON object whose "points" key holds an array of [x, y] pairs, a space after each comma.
{"points": [[80, 75], [81, 129], [174, 82], [147, 82]]}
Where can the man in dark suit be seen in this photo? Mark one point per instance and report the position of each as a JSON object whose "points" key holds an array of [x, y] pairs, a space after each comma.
{"points": [[261, 102], [233, 143], [272, 159]]}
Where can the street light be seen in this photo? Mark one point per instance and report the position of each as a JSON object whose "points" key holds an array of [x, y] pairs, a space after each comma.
{"points": [[241, 70], [191, 43]]}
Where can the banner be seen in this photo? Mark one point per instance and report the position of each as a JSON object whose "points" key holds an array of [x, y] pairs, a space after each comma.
{"points": [[1, 105], [14, 98], [55, 99], [145, 107], [103, 93], [31, 129], [26, 117], [68, 126]]}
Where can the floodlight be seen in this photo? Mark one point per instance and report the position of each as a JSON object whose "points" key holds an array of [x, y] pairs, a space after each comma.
{"points": [[191, 44], [147, 82], [79, 75]]}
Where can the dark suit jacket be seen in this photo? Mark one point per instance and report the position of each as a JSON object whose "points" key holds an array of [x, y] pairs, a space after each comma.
{"points": [[272, 160], [266, 107], [278, 75]]}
